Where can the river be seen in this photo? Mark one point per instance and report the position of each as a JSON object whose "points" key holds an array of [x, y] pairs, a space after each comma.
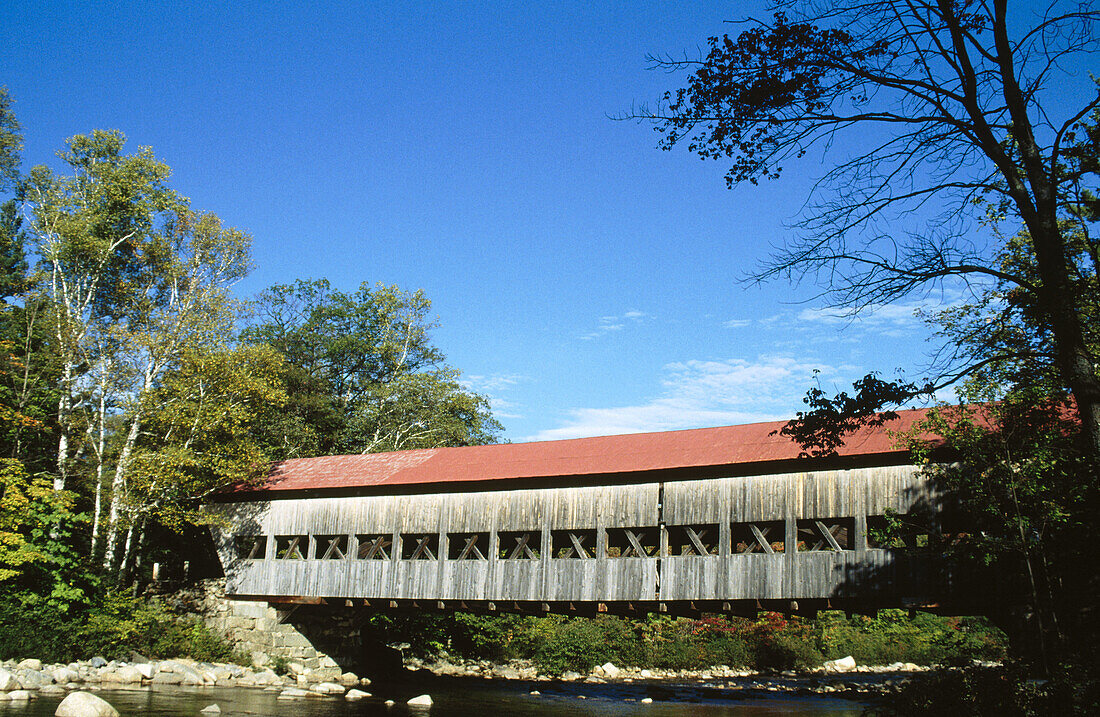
{"points": [[466, 697]]}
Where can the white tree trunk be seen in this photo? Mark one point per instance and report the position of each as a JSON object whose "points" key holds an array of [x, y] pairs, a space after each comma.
{"points": [[100, 448], [118, 491], [64, 418]]}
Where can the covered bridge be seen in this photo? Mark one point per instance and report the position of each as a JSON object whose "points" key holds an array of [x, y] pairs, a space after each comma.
{"points": [[727, 518]]}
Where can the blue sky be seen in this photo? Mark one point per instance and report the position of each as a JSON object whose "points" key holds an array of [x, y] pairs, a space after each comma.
{"points": [[583, 279]]}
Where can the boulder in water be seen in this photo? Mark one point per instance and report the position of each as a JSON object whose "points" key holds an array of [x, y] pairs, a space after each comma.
{"points": [[85, 704]]}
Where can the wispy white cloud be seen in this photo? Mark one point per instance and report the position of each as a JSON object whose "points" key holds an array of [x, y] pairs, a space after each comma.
{"points": [[607, 324], [904, 314], [736, 323], [494, 382], [701, 393], [491, 387], [503, 408]]}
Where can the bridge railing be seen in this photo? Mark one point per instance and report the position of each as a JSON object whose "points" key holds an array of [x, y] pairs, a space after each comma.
{"points": [[791, 536]]}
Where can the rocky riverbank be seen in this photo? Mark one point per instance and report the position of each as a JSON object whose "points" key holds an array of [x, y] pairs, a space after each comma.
{"points": [[30, 678], [841, 677]]}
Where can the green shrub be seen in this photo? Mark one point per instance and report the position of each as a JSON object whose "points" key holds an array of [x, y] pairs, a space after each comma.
{"points": [[771, 641], [682, 644], [892, 636], [580, 644], [37, 629], [492, 637], [781, 643], [115, 627]]}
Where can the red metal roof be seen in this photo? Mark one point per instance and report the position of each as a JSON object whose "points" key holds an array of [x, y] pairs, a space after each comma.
{"points": [[623, 455]]}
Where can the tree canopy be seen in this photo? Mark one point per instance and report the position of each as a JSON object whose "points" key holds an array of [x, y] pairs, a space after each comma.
{"points": [[933, 118], [130, 389], [11, 142], [363, 374], [960, 149]]}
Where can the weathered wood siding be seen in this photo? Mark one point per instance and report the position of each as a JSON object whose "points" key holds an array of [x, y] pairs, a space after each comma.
{"points": [[720, 507]]}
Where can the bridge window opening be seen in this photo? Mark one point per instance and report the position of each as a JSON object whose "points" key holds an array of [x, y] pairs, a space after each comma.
{"points": [[896, 531], [520, 545], [421, 546], [291, 547], [251, 547], [374, 546], [760, 537], [468, 546], [633, 542], [830, 534], [575, 544], [331, 547], [693, 539]]}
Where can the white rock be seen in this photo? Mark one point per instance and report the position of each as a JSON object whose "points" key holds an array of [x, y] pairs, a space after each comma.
{"points": [[420, 701], [389, 703], [128, 675], [8, 681], [646, 701], [211, 710], [188, 675], [146, 669], [329, 688], [292, 693], [610, 670], [85, 704], [645, 675], [21, 695], [844, 664], [30, 664], [356, 694], [536, 693]]}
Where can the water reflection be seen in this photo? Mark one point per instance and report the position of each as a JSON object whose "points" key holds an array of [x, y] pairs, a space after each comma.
{"points": [[460, 697]]}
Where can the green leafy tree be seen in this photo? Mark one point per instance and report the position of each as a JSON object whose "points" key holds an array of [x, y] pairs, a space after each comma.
{"points": [[17, 494], [180, 303], [25, 351], [427, 409], [11, 142], [28, 376], [91, 230], [364, 375], [963, 129], [201, 433]]}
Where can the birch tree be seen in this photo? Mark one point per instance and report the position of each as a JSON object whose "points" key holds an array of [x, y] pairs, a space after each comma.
{"points": [[202, 432], [179, 302], [91, 230]]}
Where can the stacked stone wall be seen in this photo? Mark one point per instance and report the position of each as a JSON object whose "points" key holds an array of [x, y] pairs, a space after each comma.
{"points": [[316, 638]]}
